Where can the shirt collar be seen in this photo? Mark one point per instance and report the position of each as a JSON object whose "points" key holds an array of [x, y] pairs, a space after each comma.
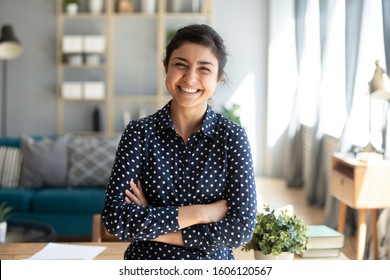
{"points": [[164, 120]]}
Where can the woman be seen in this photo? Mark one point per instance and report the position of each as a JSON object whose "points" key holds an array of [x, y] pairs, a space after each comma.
{"points": [[182, 185]]}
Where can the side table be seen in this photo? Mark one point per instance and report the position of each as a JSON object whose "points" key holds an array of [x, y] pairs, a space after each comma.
{"points": [[362, 186]]}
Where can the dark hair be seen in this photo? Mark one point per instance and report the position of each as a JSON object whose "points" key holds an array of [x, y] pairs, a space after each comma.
{"points": [[201, 34]]}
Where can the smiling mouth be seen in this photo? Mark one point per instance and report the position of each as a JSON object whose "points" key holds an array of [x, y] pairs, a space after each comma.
{"points": [[189, 90]]}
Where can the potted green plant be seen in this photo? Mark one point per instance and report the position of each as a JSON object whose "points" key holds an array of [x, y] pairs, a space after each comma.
{"points": [[71, 6], [277, 235], [5, 212], [232, 113]]}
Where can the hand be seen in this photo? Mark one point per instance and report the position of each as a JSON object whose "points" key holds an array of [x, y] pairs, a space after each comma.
{"points": [[137, 196], [214, 212], [202, 213], [173, 238]]}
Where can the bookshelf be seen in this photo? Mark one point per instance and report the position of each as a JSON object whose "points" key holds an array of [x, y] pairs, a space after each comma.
{"points": [[126, 79]]}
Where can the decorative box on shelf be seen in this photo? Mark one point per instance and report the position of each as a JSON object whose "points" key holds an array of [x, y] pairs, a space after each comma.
{"points": [[93, 59], [72, 44], [94, 47], [71, 90], [94, 90], [73, 59], [94, 44]]}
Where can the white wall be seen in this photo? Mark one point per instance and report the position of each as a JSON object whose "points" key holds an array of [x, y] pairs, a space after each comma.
{"points": [[32, 76], [244, 26]]}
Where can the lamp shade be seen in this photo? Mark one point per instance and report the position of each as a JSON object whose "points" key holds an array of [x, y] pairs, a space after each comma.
{"points": [[380, 83], [10, 46]]}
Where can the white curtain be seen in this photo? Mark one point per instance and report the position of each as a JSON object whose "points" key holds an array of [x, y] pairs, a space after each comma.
{"points": [[319, 90], [330, 51], [353, 17], [294, 146]]}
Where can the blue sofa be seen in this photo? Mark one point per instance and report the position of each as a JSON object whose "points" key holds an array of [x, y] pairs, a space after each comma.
{"points": [[67, 204], [68, 211]]}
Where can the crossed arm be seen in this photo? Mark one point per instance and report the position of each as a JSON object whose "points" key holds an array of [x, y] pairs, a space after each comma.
{"points": [[188, 215]]}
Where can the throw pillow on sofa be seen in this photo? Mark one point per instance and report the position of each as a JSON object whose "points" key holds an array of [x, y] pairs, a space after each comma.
{"points": [[44, 162], [91, 160], [10, 165]]}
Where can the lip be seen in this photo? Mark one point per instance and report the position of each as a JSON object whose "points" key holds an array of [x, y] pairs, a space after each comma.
{"points": [[189, 90]]}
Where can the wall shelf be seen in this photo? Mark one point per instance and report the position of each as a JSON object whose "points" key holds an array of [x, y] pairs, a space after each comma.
{"points": [[133, 83]]}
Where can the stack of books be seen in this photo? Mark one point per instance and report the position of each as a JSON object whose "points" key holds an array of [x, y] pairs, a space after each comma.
{"points": [[324, 242]]}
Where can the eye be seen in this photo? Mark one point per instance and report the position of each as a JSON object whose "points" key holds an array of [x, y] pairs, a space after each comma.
{"points": [[180, 65], [204, 70]]}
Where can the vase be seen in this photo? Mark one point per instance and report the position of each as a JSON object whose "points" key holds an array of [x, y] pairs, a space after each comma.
{"points": [[72, 8], [148, 6], [176, 6], [283, 256], [3, 231], [96, 120], [125, 6], [92, 59], [95, 6], [196, 6]]}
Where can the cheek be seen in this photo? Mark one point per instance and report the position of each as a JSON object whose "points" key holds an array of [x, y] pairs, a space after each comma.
{"points": [[172, 75], [210, 82], [168, 79]]}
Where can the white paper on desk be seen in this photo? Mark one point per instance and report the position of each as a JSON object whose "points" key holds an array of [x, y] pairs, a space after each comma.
{"points": [[55, 251]]}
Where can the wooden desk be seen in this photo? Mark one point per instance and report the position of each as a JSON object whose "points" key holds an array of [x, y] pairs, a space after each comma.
{"points": [[19, 251], [114, 251], [362, 186]]}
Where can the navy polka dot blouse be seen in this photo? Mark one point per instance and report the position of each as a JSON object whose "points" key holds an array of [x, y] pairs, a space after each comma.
{"points": [[214, 164]]}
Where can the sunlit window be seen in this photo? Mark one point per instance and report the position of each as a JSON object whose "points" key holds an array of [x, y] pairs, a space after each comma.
{"points": [[371, 49], [310, 66], [323, 94], [332, 104]]}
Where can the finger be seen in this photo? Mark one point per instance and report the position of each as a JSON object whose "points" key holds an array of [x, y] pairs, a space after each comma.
{"points": [[127, 200], [132, 198], [128, 194], [141, 189], [135, 189]]}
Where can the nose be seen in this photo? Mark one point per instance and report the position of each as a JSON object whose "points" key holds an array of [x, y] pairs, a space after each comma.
{"points": [[190, 76]]}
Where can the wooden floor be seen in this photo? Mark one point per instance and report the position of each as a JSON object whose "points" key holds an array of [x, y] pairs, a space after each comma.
{"points": [[275, 193]]}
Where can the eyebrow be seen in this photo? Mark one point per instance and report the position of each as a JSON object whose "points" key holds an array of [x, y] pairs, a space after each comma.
{"points": [[202, 62]]}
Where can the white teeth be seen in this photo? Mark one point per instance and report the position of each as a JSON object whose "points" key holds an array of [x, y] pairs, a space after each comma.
{"points": [[189, 90]]}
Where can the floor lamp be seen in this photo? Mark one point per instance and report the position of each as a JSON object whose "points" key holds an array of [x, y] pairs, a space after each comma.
{"points": [[10, 48], [379, 88]]}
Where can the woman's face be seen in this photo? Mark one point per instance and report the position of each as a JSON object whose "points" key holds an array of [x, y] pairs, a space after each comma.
{"points": [[192, 75]]}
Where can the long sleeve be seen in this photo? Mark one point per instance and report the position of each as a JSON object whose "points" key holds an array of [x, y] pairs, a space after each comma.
{"points": [[129, 221], [238, 226]]}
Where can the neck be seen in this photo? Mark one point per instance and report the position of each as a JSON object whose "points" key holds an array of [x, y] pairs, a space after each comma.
{"points": [[187, 120]]}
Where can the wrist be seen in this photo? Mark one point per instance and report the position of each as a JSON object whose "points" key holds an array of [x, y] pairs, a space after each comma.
{"points": [[174, 238], [190, 215]]}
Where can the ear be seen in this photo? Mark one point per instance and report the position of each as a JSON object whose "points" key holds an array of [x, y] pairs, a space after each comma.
{"points": [[165, 66], [221, 78]]}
